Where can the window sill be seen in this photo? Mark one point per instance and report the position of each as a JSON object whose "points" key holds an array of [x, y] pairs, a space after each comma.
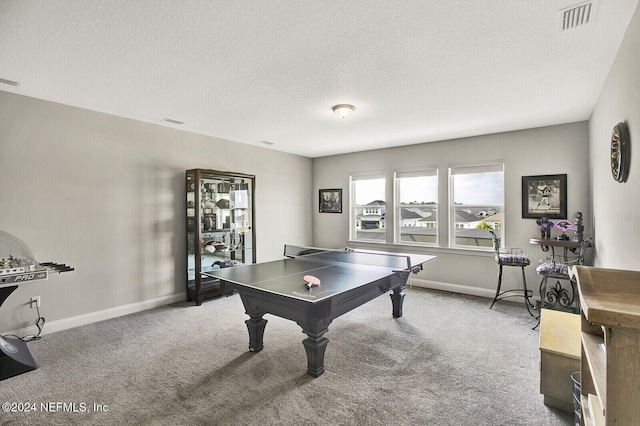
{"points": [[433, 250]]}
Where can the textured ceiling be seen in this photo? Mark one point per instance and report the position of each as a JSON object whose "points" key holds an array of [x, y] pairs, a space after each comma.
{"points": [[253, 71]]}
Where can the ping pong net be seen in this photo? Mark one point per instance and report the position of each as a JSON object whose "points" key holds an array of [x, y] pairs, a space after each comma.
{"points": [[394, 261]]}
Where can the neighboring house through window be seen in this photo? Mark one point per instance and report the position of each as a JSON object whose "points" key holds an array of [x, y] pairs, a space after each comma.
{"points": [[368, 208], [476, 204], [416, 207]]}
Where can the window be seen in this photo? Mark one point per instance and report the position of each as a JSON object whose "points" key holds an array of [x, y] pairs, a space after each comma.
{"points": [[416, 207], [476, 204], [368, 208]]}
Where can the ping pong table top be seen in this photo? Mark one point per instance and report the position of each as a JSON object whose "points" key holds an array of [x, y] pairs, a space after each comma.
{"points": [[338, 271]]}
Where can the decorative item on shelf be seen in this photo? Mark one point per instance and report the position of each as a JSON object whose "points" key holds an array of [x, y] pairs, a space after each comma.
{"points": [[545, 227], [223, 203], [240, 199], [209, 222], [579, 228], [218, 264], [223, 187], [564, 226], [214, 246], [620, 152]]}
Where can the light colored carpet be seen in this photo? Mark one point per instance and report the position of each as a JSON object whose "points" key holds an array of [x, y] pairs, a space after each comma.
{"points": [[448, 361]]}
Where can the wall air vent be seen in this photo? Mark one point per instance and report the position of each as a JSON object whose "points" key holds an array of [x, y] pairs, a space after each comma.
{"points": [[171, 120], [9, 82], [577, 15]]}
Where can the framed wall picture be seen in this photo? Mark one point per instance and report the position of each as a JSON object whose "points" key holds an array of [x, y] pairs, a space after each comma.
{"points": [[330, 201], [544, 195]]}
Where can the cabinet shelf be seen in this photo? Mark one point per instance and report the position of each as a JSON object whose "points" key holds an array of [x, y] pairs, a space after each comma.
{"points": [[610, 366], [219, 209], [597, 362]]}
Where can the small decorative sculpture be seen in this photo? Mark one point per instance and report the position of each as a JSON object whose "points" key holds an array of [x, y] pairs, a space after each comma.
{"points": [[564, 226], [577, 221], [545, 227]]}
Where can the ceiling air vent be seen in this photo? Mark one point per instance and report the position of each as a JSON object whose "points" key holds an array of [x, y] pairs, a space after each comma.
{"points": [[577, 15]]}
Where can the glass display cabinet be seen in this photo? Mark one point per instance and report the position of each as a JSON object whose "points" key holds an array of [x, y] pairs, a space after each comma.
{"points": [[220, 232]]}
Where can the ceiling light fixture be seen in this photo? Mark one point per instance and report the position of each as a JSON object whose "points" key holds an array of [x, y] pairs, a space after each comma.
{"points": [[343, 109]]}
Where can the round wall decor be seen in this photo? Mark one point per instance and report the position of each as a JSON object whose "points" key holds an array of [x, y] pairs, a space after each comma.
{"points": [[620, 152]]}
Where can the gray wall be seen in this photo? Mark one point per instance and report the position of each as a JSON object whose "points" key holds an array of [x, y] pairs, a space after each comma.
{"points": [[616, 206], [548, 150], [106, 195]]}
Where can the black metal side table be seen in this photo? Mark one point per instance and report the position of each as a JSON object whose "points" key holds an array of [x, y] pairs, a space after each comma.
{"points": [[556, 267]]}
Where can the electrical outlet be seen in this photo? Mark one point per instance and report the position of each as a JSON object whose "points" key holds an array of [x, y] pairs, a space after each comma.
{"points": [[34, 300]]}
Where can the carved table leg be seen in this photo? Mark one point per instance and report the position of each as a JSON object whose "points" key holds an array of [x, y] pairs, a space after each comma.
{"points": [[315, 346], [397, 298], [256, 325]]}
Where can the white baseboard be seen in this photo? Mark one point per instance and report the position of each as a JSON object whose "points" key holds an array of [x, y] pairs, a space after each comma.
{"points": [[453, 288], [118, 311], [91, 317], [457, 288]]}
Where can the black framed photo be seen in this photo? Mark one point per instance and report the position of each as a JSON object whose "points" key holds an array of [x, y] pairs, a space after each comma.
{"points": [[544, 196], [330, 201]]}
